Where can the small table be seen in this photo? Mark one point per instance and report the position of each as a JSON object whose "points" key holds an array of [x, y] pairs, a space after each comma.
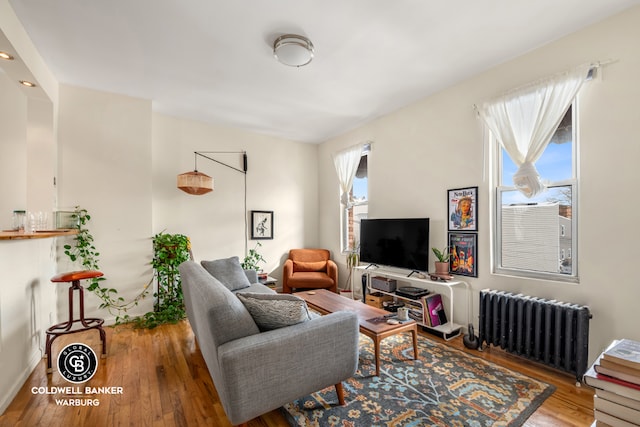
{"points": [[269, 281], [327, 302]]}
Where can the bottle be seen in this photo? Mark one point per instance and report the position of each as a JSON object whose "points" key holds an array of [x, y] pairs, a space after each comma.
{"points": [[19, 218]]}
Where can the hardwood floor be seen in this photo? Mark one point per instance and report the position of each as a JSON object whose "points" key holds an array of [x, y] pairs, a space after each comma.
{"points": [[165, 382]]}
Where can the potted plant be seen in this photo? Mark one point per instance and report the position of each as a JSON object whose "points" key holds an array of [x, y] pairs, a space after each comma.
{"points": [[442, 265], [353, 260], [252, 259]]}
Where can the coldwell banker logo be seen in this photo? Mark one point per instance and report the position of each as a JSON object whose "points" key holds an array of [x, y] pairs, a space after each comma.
{"points": [[77, 363]]}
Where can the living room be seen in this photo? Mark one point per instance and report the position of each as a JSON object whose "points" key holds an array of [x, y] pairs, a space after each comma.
{"points": [[118, 158]]}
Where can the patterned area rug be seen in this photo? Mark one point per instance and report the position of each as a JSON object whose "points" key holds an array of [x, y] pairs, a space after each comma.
{"points": [[445, 387]]}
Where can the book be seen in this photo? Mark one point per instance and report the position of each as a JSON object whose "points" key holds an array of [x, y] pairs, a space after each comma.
{"points": [[619, 411], [435, 310], [625, 352], [604, 382], [612, 364], [616, 398], [632, 378], [611, 420], [425, 309]]}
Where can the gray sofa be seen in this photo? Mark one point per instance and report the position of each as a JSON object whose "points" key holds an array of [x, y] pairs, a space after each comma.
{"points": [[255, 372]]}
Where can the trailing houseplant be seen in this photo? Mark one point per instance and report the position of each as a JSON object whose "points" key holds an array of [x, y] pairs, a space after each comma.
{"points": [[169, 251], [84, 252]]}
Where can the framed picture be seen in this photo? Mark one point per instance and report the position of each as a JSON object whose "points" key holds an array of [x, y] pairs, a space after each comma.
{"points": [[463, 209], [261, 225], [464, 254]]}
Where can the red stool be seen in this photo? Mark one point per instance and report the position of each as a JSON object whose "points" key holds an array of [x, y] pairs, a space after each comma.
{"points": [[84, 323]]}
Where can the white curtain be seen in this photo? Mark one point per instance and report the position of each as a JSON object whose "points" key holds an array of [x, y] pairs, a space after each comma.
{"points": [[524, 121], [346, 163]]}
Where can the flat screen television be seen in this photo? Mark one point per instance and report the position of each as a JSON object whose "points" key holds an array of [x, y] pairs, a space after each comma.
{"points": [[395, 242]]}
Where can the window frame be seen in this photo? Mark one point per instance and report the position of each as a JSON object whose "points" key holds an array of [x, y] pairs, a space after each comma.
{"points": [[496, 204], [344, 214]]}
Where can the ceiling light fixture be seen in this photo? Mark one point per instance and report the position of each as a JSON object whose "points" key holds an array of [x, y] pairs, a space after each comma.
{"points": [[293, 50], [5, 55], [27, 83]]}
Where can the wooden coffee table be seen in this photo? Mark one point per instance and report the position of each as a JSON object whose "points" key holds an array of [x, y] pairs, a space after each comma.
{"points": [[327, 302]]}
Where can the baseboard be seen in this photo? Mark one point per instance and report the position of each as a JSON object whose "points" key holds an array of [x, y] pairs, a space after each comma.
{"points": [[8, 397]]}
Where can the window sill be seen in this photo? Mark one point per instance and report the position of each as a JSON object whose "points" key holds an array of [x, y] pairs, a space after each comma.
{"points": [[547, 277]]}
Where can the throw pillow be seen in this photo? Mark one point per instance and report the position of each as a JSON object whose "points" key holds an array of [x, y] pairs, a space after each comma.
{"points": [[229, 272], [309, 265], [273, 311]]}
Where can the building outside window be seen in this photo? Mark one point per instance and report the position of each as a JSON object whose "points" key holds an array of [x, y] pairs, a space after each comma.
{"points": [[358, 207], [534, 235]]}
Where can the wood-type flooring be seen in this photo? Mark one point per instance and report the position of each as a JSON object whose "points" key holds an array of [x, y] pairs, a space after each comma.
{"points": [[165, 383]]}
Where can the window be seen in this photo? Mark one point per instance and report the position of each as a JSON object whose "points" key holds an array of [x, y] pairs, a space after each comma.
{"points": [[536, 237], [358, 207]]}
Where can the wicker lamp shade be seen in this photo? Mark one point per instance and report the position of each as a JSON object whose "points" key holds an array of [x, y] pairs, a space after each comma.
{"points": [[195, 183]]}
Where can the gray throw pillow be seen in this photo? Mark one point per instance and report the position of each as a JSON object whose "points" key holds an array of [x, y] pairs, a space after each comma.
{"points": [[229, 272], [273, 311]]}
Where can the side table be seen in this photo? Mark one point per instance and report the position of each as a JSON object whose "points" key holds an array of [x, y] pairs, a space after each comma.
{"points": [[269, 281]]}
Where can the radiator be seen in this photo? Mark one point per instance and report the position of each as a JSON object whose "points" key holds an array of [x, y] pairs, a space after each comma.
{"points": [[549, 332]]}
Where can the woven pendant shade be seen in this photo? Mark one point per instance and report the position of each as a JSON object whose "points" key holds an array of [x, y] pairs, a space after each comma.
{"points": [[195, 183]]}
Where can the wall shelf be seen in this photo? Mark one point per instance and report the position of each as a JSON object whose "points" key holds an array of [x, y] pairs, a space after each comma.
{"points": [[16, 235]]}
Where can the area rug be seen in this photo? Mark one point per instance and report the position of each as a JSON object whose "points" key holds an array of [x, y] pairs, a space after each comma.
{"points": [[444, 387]]}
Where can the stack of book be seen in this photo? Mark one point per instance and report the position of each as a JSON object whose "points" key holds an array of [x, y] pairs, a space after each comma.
{"points": [[615, 375]]}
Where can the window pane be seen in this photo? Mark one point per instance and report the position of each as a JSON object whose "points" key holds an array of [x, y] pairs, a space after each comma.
{"points": [[352, 215], [535, 233], [556, 163], [360, 189]]}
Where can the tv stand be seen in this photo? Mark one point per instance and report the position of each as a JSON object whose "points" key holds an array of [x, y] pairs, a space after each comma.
{"points": [[449, 330]]}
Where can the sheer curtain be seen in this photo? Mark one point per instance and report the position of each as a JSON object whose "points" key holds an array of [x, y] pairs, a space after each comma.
{"points": [[525, 119], [346, 163]]}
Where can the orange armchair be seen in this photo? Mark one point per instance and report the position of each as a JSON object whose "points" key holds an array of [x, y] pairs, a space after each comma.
{"points": [[309, 269]]}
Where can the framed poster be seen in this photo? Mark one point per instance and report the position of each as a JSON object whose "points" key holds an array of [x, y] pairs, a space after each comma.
{"points": [[464, 254], [463, 209], [261, 225]]}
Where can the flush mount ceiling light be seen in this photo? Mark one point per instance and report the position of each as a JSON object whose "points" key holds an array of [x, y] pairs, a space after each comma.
{"points": [[293, 50]]}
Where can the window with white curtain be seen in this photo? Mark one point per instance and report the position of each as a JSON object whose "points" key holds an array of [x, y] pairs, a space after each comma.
{"points": [[533, 128], [534, 235], [357, 206]]}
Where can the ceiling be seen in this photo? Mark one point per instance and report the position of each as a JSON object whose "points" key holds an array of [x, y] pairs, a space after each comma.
{"points": [[212, 60]]}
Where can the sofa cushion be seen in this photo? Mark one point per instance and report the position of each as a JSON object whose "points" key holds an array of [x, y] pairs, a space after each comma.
{"points": [[273, 311], [309, 265], [229, 272], [257, 288], [310, 279], [215, 313]]}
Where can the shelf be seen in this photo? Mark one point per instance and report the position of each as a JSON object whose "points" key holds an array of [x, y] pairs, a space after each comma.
{"points": [[448, 330], [16, 235]]}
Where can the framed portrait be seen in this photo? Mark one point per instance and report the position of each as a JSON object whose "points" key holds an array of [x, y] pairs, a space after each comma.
{"points": [[464, 254], [463, 209], [261, 225]]}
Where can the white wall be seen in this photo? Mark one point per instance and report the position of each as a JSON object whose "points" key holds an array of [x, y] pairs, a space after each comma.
{"points": [[281, 177], [27, 298], [104, 166], [436, 144], [119, 160], [13, 121]]}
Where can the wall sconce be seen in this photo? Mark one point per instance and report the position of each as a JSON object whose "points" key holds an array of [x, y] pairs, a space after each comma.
{"points": [[198, 183]]}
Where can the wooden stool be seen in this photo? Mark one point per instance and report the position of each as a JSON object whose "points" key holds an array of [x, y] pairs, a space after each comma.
{"points": [[84, 323]]}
